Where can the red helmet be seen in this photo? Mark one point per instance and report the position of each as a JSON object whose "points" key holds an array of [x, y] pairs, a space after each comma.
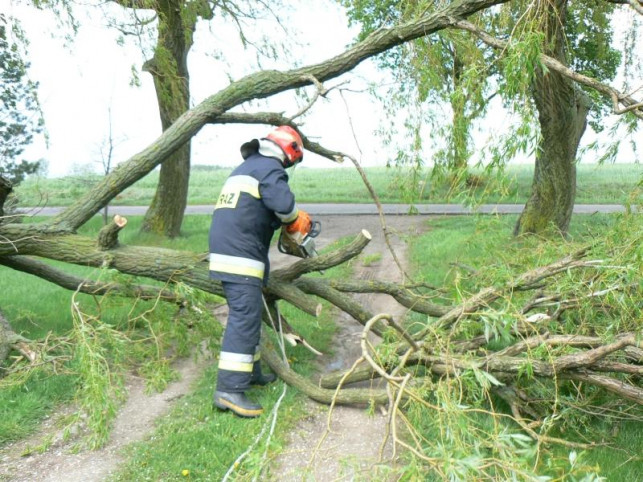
{"points": [[289, 140]]}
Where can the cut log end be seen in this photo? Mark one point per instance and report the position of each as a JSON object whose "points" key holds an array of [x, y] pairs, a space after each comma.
{"points": [[108, 236], [120, 221], [366, 234]]}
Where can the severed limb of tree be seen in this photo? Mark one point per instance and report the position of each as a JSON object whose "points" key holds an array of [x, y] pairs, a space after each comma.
{"points": [[323, 395], [507, 364], [616, 386], [71, 282], [324, 261], [108, 235], [629, 103], [529, 280]]}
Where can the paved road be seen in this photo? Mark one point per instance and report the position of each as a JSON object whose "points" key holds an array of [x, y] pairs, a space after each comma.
{"points": [[363, 209]]}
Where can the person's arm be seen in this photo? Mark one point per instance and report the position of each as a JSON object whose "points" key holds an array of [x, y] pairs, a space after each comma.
{"points": [[277, 196]]}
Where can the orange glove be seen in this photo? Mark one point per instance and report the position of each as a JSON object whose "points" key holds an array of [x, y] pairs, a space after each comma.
{"points": [[303, 224]]}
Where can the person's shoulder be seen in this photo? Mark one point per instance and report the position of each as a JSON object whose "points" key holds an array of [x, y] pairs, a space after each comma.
{"points": [[265, 166]]}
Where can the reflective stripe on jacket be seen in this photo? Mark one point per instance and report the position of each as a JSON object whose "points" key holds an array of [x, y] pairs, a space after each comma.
{"points": [[254, 202]]}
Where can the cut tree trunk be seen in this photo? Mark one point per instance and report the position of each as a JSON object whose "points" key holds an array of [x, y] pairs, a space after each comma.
{"points": [[562, 114]]}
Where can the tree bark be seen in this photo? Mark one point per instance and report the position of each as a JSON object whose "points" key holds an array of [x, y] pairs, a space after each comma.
{"points": [[562, 114], [65, 280], [5, 190], [6, 333], [169, 70]]}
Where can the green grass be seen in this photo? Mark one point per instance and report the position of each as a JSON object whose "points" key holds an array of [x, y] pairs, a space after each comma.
{"points": [[446, 255], [596, 184]]}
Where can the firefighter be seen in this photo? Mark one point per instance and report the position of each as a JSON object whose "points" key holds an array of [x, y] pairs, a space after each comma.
{"points": [[254, 202]]}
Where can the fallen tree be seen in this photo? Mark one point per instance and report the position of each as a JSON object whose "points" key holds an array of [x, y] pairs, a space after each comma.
{"points": [[293, 286], [508, 341]]}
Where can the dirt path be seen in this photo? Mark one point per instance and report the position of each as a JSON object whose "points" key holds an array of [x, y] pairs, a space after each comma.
{"points": [[134, 422], [349, 446], [349, 451]]}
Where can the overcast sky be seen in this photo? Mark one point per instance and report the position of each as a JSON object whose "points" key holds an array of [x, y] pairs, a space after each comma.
{"points": [[85, 86]]}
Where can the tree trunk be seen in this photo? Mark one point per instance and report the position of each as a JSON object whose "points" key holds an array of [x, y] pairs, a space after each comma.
{"points": [[5, 190], [459, 141], [562, 114], [5, 334], [171, 80]]}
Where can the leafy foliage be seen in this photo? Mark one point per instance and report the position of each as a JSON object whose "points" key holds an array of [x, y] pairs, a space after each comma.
{"points": [[444, 83], [590, 37], [20, 117], [460, 423]]}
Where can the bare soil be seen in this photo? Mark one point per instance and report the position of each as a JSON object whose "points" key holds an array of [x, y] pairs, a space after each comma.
{"points": [[345, 446]]}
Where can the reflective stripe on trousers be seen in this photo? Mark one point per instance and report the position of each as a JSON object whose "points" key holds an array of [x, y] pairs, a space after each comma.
{"points": [[241, 338]]}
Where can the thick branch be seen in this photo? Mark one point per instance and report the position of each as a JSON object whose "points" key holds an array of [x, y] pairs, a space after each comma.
{"points": [[324, 261], [108, 235], [341, 301], [76, 283], [401, 293], [323, 395], [277, 119], [637, 5], [619, 387], [257, 86]]}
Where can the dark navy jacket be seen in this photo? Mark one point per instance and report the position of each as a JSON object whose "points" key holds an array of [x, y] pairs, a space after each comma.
{"points": [[254, 202]]}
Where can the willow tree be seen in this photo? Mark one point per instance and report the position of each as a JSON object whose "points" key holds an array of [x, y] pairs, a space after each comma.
{"points": [[552, 107], [429, 72], [165, 32], [176, 21]]}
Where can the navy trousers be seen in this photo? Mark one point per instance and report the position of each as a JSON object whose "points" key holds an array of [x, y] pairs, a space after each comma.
{"points": [[239, 356]]}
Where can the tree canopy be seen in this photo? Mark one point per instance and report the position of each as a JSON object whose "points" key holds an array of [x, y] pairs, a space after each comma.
{"points": [[20, 117]]}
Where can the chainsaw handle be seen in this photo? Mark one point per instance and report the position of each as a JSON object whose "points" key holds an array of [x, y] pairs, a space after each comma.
{"points": [[280, 246], [315, 229]]}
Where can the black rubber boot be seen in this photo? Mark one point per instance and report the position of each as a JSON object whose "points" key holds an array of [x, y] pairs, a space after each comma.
{"points": [[238, 403], [262, 379]]}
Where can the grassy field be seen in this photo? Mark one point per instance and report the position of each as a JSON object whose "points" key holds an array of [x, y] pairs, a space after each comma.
{"points": [[596, 184]]}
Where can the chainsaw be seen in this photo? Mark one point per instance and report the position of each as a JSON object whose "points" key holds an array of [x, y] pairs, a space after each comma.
{"points": [[299, 244]]}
